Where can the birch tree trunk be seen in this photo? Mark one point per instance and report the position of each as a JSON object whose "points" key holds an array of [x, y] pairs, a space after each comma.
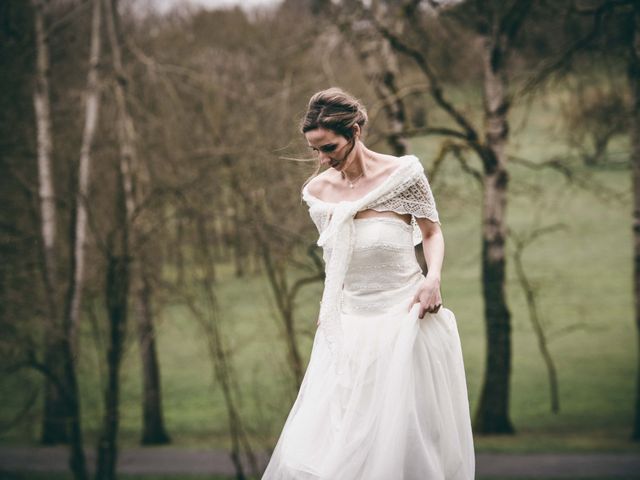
{"points": [[45, 145], [492, 415], [54, 419], [634, 84], [79, 236], [61, 421]]}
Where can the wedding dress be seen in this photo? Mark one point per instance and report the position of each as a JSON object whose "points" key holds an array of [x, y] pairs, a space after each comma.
{"points": [[384, 396]]}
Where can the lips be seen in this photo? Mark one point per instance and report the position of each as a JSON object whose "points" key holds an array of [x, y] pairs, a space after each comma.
{"points": [[334, 163]]}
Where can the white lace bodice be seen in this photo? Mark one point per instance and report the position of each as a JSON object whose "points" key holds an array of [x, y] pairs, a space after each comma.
{"points": [[406, 190]]}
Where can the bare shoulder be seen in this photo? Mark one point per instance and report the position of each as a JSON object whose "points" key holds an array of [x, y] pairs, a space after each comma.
{"points": [[318, 185], [389, 164]]}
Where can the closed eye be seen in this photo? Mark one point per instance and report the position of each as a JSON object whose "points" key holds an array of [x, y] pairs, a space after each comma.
{"points": [[330, 147]]}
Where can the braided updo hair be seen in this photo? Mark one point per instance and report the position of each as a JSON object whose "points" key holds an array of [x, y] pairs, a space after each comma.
{"points": [[336, 110]]}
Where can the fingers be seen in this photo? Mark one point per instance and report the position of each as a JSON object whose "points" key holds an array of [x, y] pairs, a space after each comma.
{"points": [[429, 303], [429, 309], [435, 308]]}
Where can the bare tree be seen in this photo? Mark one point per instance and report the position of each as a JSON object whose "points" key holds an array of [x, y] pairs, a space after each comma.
{"points": [[495, 26], [153, 429], [274, 246], [530, 292], [53, 428], [79, 236], [500, 29], [46, 189], [592, 116], [125, 272], [62, 410], [209, 320], [602, 15], [118, 275]]}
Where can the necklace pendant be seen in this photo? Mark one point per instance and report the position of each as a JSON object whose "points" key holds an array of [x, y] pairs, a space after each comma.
{"points": [[351, 185]]}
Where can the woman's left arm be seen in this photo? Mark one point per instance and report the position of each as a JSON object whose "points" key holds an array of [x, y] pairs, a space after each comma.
{"points": [[428, 294]]}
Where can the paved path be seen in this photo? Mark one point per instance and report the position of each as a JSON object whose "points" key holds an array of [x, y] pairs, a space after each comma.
{"points": [[170, 460]]}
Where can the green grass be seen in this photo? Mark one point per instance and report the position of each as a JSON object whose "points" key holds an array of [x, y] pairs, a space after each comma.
{"points": [[583, 275]]}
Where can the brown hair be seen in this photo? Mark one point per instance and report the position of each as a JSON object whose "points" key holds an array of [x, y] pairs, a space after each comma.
{"points": [[336, 110]]}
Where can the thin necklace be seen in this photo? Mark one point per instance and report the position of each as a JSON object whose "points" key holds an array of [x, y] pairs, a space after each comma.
{"points": [[352, 183]]}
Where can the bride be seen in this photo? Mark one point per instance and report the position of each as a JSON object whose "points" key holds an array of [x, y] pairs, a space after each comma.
{"points": [[384, 396]]}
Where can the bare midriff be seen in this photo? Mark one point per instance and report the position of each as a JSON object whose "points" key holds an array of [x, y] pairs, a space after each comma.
{"points": [[368, 213]]}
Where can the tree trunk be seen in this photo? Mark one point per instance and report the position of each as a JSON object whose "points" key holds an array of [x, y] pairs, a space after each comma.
{"points": [[55, 411], [41, 101], [61, 420], [117, 286], [77, 461], [153, 430], [118, 261], [58, 411], [492, 415], [634, 84], [79, 236]]}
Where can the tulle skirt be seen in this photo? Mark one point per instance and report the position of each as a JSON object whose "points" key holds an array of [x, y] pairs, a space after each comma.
{"points": [[398, 411]]}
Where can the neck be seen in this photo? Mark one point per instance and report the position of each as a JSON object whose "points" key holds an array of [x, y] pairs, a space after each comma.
{"points": [[358, 164]]}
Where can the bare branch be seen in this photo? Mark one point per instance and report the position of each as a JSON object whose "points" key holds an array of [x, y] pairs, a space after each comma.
{"points": [[563, 62], [434, 86], [521, 241], [512, 21], [583, 181]]}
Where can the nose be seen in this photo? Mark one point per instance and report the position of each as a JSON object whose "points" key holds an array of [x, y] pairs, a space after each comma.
{"points": [[324, 158]]}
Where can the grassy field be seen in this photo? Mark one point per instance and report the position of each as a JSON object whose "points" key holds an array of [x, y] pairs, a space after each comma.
{"points": [[583, 276]]}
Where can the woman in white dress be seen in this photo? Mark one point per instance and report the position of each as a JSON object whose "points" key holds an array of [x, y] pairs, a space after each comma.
{"points": [[384, 396]]}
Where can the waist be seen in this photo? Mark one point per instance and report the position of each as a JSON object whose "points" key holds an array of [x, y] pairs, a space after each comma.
{"points": [[380, 295]]}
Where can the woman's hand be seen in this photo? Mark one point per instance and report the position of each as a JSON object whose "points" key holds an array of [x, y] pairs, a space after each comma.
{"points": [[428, 296]]}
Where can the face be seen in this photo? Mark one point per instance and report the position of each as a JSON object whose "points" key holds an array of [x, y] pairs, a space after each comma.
{"points": [[331, 149]]}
